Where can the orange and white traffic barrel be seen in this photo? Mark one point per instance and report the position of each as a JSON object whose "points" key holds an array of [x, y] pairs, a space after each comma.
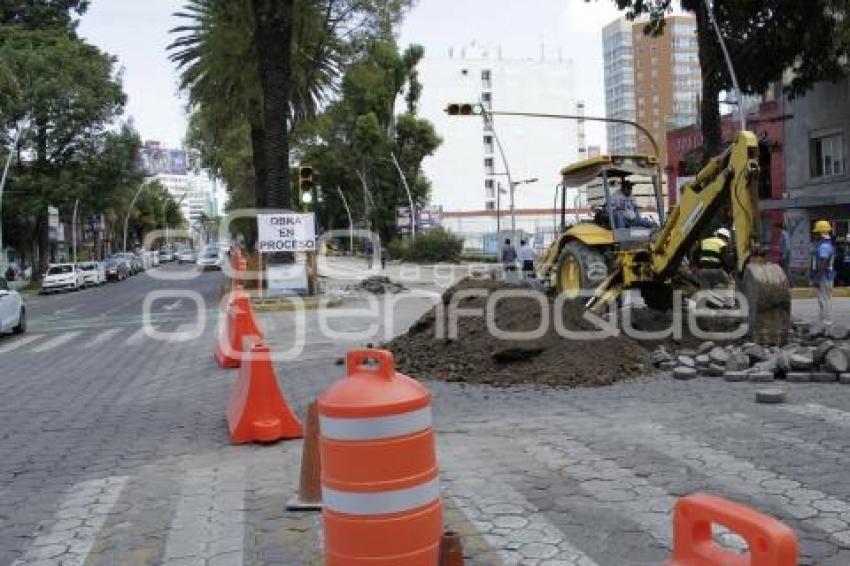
{"points": [[380, 485]]}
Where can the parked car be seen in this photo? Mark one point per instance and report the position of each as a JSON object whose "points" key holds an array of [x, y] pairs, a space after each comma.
{"points": [[62, 276], [133, 261], [165, 255], [211, 258], [185, 255], [93, 272], [153, 259], [117, 268], [13, 313]]}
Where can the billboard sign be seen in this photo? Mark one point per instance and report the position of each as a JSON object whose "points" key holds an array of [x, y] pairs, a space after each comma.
{"points": [[154, 160], [286, 232]]}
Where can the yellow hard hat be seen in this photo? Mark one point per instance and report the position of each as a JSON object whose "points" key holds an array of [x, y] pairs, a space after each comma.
{"points": [[822, 227]]}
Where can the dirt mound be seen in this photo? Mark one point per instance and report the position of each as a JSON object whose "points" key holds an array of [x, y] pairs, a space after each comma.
{"points": [[472, 354], [379, 285]]}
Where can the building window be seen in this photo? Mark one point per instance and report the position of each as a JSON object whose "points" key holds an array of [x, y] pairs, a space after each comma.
{"points": [[486, 79], [488, 145], [487, 100], [488, 166], [827, 155], [489, 205]]}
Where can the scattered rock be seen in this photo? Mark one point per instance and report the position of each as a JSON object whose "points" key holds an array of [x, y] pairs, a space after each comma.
{"points": [[715, 370], [737, 361], [719, 355], [705, 347], [844, 378], [816, 329], [703, 360], [824, 377], [755, 352], [836, 361], [684, 372], [660, 355], [823, 347], [801, 362], [686, 361], [770, 396], [735, 376], [761, 377], [798, 377], [667, 366]]}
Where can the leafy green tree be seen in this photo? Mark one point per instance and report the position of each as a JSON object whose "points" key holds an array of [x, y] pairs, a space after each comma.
{"points": [[764, 37], [42, 14], [69, 97]]}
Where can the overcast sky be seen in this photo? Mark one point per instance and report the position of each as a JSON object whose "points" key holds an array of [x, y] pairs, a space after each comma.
{"points": [[137, 33]]}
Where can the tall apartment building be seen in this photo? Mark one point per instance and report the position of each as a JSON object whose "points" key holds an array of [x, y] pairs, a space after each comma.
{"points": [[619, 85], [661, 76], [467, 171]]}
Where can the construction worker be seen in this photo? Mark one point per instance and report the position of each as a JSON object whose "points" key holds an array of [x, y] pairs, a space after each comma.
{"points": [[625, 209], [822, 267], [713, 260]]}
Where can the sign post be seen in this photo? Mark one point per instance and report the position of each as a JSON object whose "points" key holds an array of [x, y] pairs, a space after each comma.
{"points": [[286, 232]]}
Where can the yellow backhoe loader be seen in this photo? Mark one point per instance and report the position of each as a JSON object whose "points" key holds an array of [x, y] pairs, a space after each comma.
{"points": [[602, 258]]}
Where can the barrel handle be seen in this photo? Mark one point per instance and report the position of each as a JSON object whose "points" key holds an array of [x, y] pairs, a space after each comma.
{"points": [[385, 368]]}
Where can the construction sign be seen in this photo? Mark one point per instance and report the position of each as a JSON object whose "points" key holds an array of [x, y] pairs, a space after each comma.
{"points": [[286, 232]]}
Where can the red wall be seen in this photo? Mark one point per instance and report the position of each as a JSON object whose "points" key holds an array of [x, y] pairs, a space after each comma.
{"points": [[768, 124]]}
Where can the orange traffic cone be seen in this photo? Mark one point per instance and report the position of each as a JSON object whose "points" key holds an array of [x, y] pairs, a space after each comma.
{"points": [[257, 411], [309, 497], [238, 325], [242, 301], [451, 552]]}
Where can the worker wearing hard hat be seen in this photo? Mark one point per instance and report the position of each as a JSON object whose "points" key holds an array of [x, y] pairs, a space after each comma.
{"points": [[713, 259], [822, 267]]}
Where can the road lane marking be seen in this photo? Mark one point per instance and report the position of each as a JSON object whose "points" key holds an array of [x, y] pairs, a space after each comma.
{"points": [[102, 337], [171, 306], [210, 516], [16, 343], [56, 342], [136, 338], [87, 506]]}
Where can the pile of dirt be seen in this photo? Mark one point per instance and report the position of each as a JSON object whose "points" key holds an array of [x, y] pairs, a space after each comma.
{"points": [[474, 355], [379, 285]]}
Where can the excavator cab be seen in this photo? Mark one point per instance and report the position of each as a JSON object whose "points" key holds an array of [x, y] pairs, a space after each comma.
{"points": [[586, 248]]}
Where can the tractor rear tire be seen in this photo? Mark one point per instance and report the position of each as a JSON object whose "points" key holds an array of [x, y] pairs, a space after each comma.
{"points": [[580, 269]]}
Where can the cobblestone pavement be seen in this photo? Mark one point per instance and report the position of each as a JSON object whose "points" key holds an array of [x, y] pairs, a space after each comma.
{"points": [[114, 450]]}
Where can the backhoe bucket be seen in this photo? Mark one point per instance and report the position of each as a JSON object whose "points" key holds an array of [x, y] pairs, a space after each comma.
{"points": [[768, 294]]}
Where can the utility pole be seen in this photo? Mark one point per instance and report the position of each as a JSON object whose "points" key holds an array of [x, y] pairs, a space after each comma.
{"points": [[350, 223]]}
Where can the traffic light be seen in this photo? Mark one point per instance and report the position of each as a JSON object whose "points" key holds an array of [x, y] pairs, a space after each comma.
{"points": [[463, 109], [305, 182]]}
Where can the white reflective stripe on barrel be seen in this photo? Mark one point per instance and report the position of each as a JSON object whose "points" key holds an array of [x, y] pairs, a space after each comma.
{"points": [[375, 428], [381, 502]]}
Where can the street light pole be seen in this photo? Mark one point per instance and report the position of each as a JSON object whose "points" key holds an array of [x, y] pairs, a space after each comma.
{"points": [[2, 185], [488, 120], [350, 222], [409, 197], [127, 216]]}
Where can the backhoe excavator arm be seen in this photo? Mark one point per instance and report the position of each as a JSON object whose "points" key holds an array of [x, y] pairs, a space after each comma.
{"points": [[733, 175]]}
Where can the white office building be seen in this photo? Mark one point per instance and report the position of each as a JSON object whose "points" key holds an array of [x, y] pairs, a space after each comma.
{"points": [[467, 170], [618, 58], [196, 193]]}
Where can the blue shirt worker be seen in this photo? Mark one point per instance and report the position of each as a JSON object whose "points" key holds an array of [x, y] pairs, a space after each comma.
{"points": [[822, 268]]}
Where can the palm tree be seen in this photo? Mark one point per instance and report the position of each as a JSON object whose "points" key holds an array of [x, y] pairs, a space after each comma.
{"points": [[237, 69]]}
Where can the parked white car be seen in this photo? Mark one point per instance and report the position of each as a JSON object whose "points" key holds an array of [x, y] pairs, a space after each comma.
{"points": [[94, 272], [185, 255], [211, 258], [62, 276], [13, 313]]}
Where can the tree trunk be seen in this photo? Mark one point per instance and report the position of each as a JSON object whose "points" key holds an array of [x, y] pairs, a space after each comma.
{"points": [[273, 32], [258, 148], [710, 62]]}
